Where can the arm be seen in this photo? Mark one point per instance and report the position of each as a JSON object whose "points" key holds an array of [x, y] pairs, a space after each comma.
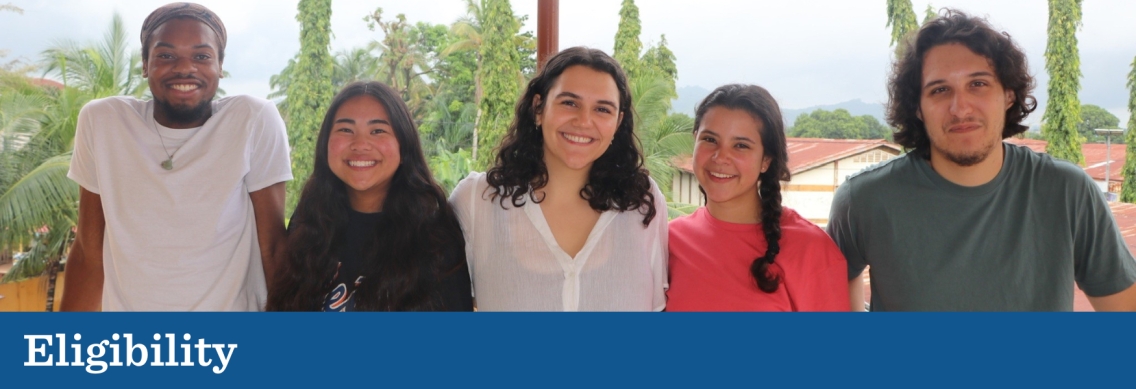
{"points": [[1122, 301], [268, 206], [856, 293], [83, 283]]}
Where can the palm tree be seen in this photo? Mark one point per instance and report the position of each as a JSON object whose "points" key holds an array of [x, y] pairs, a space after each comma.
{"points": [[662, 137], [39, 208]]}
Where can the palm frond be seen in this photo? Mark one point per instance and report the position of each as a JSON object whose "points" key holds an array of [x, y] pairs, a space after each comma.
{"points": [[40, 198]]}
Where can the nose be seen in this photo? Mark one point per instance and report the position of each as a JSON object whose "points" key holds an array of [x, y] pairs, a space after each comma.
{"points": [[586, 118], [960, 105], [359, 143], [718, 156], [184, 65]]}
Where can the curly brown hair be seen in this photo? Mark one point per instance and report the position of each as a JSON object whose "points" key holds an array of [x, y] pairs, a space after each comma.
{"points": [[617, 180], [953, 26]]}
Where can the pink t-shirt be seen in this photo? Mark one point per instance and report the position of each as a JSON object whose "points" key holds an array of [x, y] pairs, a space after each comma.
{"points": [[710, 260]]}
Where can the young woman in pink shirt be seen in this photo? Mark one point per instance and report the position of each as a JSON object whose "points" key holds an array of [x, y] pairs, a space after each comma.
{"points": [[743, 251]]}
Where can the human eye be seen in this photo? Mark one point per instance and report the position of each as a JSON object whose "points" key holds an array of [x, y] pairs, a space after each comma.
{"points": [[742, 146], [568, 103], [344, 130], [708, 139], [203, 57], [378, 131]]}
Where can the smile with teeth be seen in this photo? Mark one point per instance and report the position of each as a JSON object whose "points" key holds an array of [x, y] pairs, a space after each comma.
{"points": [[184, 87], [720, 175], [577, 139], [361, 163]]}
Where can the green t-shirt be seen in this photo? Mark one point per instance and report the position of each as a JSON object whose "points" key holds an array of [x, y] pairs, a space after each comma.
{"points": [[1016, 243]]}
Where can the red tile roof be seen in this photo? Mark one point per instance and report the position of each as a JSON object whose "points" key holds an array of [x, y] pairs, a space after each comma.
{"points": [[809, 153]]}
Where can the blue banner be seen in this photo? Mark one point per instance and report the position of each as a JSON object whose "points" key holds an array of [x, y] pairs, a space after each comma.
{"points": [[567, 350]]}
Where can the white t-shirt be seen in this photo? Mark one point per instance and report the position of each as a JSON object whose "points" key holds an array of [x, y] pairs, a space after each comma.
{"points": [[183, 239], [516, 264]]}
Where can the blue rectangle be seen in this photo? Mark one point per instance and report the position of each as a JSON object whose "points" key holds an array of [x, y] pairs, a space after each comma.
{"points": [[592, 349]]}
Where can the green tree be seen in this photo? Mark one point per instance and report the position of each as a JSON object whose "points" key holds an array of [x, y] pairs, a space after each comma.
{"points": [[627, 43], [309, 91], [901, 19], [1062, 61], [1128, 190], [660, 60], [1094, 117], [500, 76], [838, 124], [929, 14]]}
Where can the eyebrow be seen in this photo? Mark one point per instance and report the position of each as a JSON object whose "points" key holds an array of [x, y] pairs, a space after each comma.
{"points": [[575, 96], [167, 45], [352, 121], [980, 73], [738, 138]]}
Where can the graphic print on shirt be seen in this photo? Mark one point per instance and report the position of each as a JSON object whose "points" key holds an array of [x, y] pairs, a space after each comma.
{"points": [[341, 298]]}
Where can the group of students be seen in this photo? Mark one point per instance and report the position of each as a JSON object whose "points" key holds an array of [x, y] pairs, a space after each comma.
{"points": [[567, 218]]}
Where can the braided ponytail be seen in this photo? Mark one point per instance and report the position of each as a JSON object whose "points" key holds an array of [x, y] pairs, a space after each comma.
{"points": [[769, 190]]}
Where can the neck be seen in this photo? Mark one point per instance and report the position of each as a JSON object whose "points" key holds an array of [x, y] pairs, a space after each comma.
{"points": [[740, 210], [163, 118], [970, 176], [563, 182], [366, 204]]}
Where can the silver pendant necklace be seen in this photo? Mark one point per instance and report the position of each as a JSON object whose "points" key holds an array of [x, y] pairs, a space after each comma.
{"points": [[168, 164]]}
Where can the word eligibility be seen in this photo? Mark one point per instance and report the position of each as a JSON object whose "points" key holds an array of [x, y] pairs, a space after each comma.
{"points": [[52, 350]]}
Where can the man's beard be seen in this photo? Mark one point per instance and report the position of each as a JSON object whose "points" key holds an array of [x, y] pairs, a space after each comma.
{"points": [[967, 159], [176, 114]]}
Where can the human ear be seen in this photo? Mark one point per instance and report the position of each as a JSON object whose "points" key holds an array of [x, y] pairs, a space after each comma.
{"points": [[537, 108]]}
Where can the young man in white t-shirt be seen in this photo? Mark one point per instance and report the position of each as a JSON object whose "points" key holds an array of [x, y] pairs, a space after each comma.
{"points": [[182, 197]]}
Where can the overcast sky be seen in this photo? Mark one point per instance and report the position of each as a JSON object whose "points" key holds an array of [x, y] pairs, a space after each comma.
{"points": [[807, 53]]}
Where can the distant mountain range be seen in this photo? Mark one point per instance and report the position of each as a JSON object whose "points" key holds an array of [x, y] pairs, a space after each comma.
{"points": [[690, 96]]}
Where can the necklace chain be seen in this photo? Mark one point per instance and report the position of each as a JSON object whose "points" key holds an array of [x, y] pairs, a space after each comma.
{"points": [[168, 164]]}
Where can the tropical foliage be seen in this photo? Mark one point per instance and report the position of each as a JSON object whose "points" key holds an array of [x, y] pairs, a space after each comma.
{"points": [[1063, 62], [1128, 190], [309, 91], [838, 124], [38, 203]]}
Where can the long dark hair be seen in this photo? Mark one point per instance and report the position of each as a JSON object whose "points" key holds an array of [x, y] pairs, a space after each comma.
{"points": [[617, 180], [418, 241], [759, 103], [906, 82]]}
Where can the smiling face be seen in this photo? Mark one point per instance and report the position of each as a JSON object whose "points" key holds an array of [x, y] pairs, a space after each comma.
{"points": [[363, 151], [729, 157], [184, 69], [962, 104], [579, 117]]}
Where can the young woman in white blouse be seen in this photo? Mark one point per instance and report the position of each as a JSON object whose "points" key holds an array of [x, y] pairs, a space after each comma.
{"points": [[567, 218]]}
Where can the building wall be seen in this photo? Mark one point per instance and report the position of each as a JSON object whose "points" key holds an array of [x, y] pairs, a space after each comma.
{"points": [[29, 295]]}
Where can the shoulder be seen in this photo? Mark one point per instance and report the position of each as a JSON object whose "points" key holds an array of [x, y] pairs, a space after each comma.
{"points": [[114, 105], [244, 104], [685, 222], [473, 183], [885, 172], [1045, 165], [796, 228]]}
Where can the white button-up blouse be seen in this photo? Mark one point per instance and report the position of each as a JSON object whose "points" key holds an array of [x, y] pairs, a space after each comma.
{"points": [[516, 265]]}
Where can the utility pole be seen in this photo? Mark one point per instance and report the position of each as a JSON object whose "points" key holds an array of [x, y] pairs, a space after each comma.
{"points": [[1108, 133]]}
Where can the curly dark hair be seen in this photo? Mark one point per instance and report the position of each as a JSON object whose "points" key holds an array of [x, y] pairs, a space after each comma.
{"points": [[418, 242], [760, 104], [617, 180], [906, 82]]}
